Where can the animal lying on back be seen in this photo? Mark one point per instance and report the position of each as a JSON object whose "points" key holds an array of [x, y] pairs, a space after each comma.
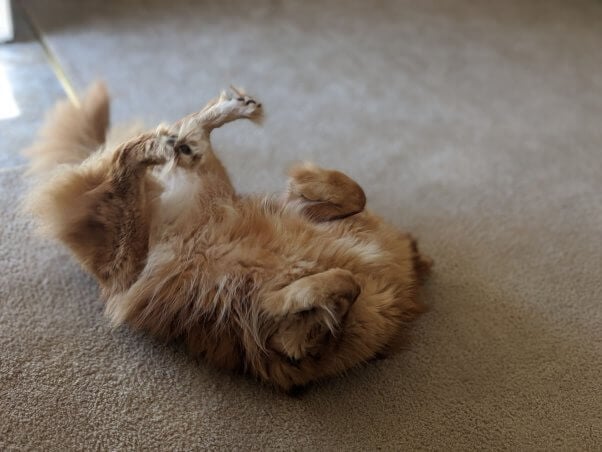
{"points": [[289, 289]]}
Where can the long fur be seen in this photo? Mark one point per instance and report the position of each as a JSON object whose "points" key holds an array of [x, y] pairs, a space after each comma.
{"points": [[289, 288]]}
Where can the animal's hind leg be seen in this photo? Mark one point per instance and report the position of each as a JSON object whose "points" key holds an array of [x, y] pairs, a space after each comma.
{"points": [[323, 194], [309, 309], [228, 107]]}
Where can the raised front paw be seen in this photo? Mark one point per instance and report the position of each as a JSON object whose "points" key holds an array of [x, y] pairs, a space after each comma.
{"points": [[323, 194], [144, 150], [237, 104]]}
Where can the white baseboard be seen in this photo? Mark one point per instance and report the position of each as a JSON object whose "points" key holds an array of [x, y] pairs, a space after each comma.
{"points": [[6, 21]]}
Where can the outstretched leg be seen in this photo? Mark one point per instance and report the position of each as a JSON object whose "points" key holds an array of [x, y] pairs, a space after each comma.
{"points": [[309, 309], [228, 107], [322, 194]]}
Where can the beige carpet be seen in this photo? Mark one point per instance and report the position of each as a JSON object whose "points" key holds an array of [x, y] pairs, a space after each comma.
{"points": [[476, 125]]}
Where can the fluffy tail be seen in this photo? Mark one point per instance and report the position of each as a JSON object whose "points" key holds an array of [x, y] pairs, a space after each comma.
{"points": [[71, 133]]}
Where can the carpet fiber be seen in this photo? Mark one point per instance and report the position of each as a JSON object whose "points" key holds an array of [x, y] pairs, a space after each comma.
{"points": [[476, 128]]}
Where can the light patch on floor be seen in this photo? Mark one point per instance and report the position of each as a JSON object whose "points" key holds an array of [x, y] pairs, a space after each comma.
{"points": [[8, 104], [6, 22]]}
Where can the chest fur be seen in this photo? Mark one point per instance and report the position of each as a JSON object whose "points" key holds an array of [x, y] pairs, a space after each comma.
{"points": [[180, 187]]}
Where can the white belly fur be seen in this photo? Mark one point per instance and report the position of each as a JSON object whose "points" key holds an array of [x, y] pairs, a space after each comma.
{"points": [[180, 186]]}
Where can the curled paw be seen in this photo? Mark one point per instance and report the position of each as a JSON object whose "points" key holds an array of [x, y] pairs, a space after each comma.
{"points": [[239, 104]]}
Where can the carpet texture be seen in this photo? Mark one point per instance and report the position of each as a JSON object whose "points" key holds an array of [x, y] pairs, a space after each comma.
{"points": [[476, 126]]}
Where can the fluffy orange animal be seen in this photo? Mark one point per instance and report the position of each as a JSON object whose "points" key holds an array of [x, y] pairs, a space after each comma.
{"points": [[289, 289]]}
